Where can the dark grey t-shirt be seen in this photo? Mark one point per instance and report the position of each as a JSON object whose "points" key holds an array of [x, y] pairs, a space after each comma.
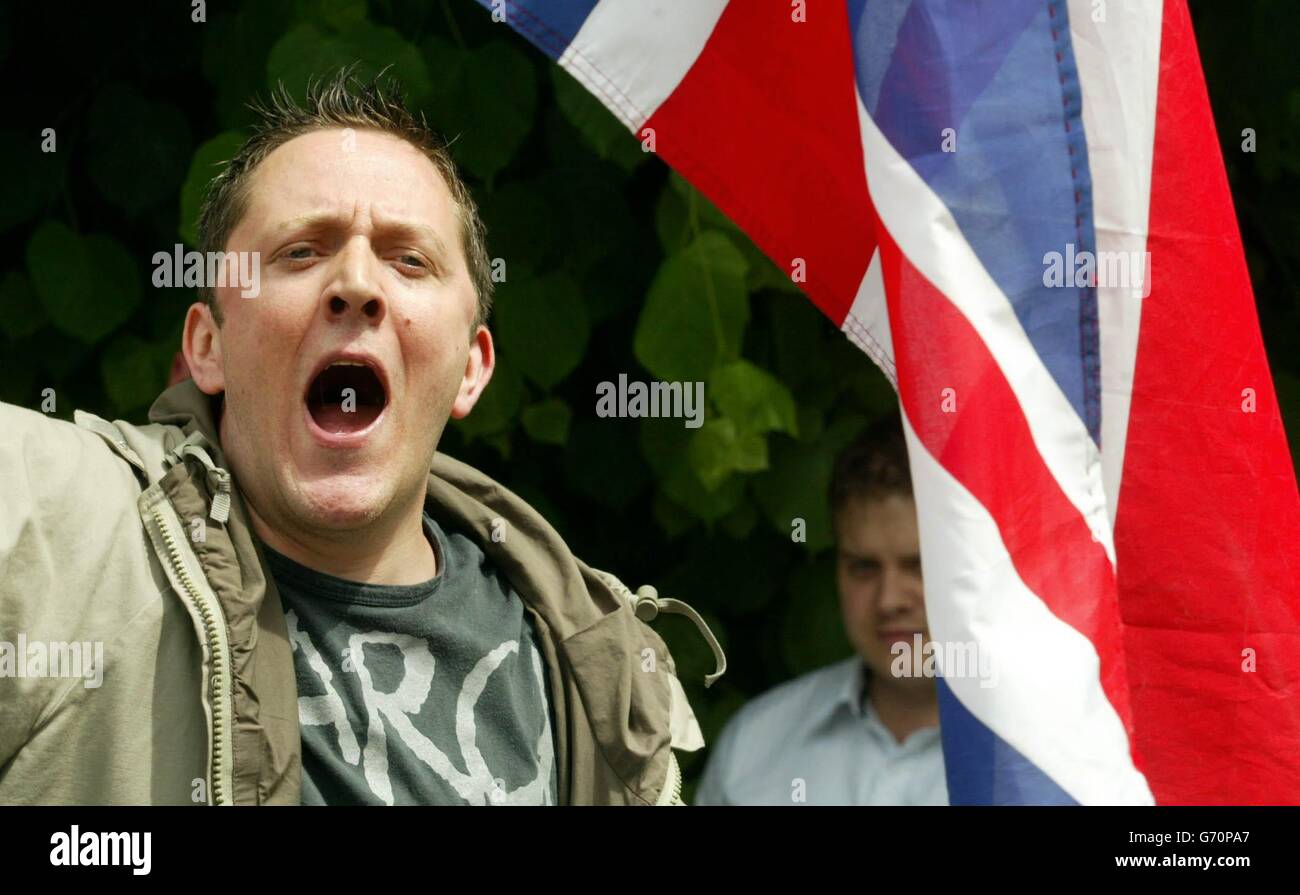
{"points": [[428, 694]]}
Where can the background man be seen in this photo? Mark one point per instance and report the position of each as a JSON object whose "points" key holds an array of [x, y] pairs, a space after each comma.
{"points": [[851, 733]]}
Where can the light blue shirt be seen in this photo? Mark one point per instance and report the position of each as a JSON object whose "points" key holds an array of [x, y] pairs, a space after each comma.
{"points": [[817, 740]]}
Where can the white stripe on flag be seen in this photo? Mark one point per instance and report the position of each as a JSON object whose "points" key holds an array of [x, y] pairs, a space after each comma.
{"points": [[1119, 62], [928, 236], [632, 54], [867, 323], [1044, 696]]}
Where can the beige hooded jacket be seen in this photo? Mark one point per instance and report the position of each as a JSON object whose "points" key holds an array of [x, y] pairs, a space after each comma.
{"points": [[137, 538]]}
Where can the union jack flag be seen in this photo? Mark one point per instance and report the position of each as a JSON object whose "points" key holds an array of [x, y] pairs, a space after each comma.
{"points": [[1019, 211]]}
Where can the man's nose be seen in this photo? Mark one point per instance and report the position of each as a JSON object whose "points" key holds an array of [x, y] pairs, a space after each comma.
{"points": [[354, 290], [894, 594]]}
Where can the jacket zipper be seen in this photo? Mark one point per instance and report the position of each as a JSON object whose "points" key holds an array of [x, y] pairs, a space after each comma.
{"points": [[218, 648], [672, 793]]}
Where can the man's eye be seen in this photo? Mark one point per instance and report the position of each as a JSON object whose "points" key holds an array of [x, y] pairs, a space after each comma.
{"points": [[301, 253], [412, 261]]}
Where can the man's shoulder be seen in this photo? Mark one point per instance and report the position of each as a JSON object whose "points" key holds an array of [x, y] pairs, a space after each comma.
{"points": [[88, 455], [803, 698]]}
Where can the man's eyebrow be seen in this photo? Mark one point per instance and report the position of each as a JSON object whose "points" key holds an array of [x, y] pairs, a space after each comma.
{"points": [[385, 228]]}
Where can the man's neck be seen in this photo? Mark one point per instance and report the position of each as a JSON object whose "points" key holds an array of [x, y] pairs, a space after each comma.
{"points": [[904, 708], [394, 554]]}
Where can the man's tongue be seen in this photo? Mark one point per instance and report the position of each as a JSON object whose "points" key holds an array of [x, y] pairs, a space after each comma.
{"points": [[334, 418]]}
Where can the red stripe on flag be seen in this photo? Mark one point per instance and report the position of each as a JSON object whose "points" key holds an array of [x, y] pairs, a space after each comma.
{"points": [[765, 124], [986, 445], [1207, 535]]}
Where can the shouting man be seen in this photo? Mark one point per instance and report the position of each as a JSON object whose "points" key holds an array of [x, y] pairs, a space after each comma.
{"points": [[299, 600]]}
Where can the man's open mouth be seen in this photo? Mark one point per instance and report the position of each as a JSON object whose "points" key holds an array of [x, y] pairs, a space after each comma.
{"points": [[346, 397]]}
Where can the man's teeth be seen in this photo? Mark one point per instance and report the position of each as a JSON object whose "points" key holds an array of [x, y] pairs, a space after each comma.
{"points": [[347, 363]]}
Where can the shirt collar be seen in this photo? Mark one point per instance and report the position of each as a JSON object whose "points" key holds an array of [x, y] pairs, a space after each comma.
{"points": [[849, 680]]}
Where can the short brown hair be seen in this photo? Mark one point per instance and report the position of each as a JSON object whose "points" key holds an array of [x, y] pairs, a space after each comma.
{"points": [[873, 465], [340, 101]]}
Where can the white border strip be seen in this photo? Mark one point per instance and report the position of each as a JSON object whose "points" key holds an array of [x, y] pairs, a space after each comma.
{"points": [[867, 323], [632, 54], [1119, 67]]}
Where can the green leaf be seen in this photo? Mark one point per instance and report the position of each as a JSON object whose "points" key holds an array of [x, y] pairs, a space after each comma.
{"points": [[498, 405], [341, 14], [20, 312], [602, 462], [205, 165], [599, 127], [799, 335], [764, 273], [308, 53], [616, 283], [138, 148], [32, 177], [236, 45], [541, 322], [672, 517], [548, 421], [691, 652], [796, 485], [695, 312], [60, 269], [117, 283], [380, 48], [673, 225], [709, 215], [726, 575], [665, 443], [741, 521], [589, 213], [812, 632], [753, 398], [719, 449], [486, 102], [519, 225], [672, 220], [131, 373], [305, 53]]}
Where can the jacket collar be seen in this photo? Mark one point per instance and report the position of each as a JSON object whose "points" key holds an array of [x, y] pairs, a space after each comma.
{"points": [[531, 552], [186, 407], [595, 633]]}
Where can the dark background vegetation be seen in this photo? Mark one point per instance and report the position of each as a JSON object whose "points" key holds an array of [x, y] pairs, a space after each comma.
{"points": [[614, 265]]}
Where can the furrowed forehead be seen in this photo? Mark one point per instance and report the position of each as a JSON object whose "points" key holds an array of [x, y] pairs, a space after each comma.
{"points": [[323, 173]]}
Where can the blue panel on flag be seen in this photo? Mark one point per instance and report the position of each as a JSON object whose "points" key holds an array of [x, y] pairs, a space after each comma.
{"points": [[982, 768], [550, 24], [1013, 170]]}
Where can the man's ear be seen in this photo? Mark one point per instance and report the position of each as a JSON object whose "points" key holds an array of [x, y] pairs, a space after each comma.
{"points": [[201, 343], [479, 365]]}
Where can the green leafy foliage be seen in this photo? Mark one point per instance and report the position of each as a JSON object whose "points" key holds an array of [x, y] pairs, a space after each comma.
{"points": [[695, 312], [138, 148], [547, 421], [542, 323], [605, 133], [487, 100], [203, 167]]}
